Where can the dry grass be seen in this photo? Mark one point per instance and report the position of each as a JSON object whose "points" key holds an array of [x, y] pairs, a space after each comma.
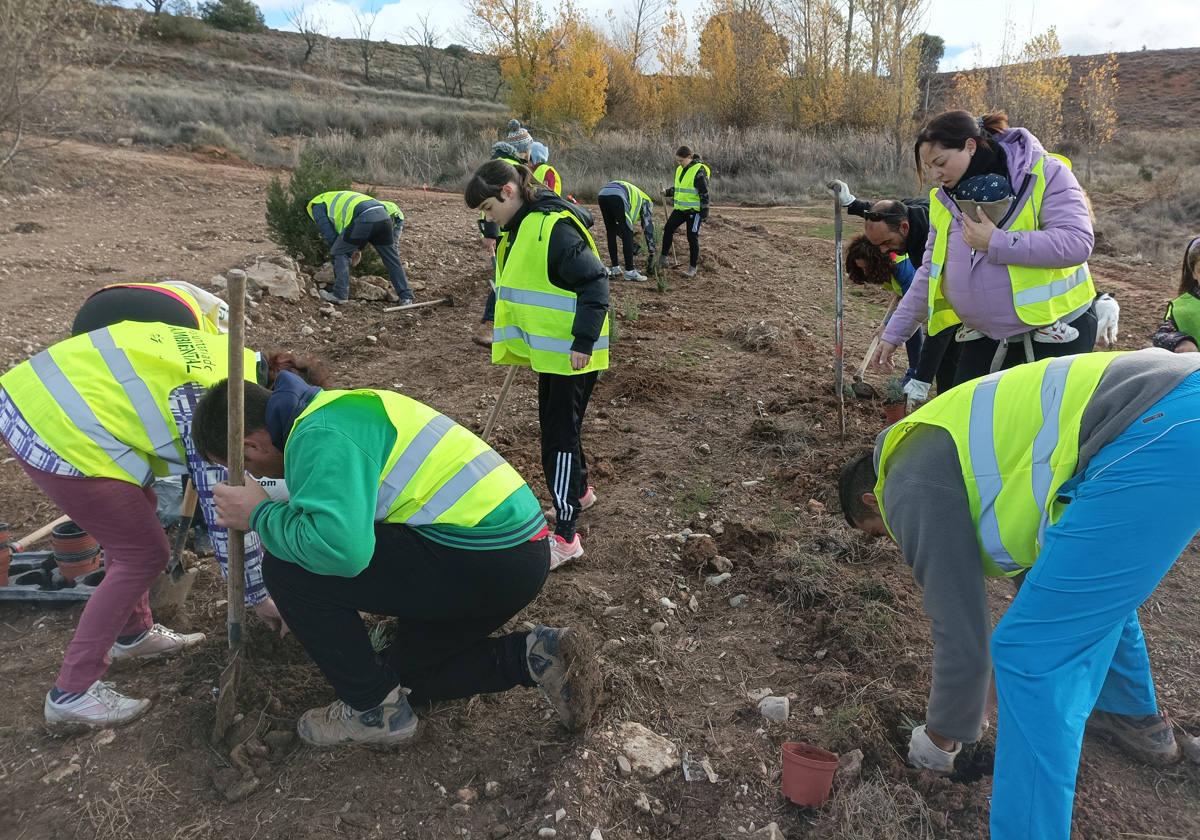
{"points": [[125, 803], [877, 809]]}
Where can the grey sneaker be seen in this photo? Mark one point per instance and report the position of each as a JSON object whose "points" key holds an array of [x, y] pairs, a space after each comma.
{"points": [[390, 724], [100, 707], [407, 301], [331, 297], [562, 662], [1148, 738], [690, 271], [615, 271]]}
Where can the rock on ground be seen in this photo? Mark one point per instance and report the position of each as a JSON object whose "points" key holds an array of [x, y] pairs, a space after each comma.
{"points": [[650, 755]]}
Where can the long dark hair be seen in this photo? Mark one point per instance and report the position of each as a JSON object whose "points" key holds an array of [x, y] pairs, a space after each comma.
{"points": [[490, 178], [309, 368], [878, 266], [1191, 264], [952, 130]]}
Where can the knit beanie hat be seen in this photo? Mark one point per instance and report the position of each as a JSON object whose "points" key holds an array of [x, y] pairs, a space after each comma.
{"points": [[501, 149], [518, 136], [538, 153]]}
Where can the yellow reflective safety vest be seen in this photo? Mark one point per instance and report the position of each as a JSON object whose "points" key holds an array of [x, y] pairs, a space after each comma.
{"points": [[533, 316], [101, 400], [1185, 312], [1017, 437], [892, 283], [205, 321], [686, 196], [1040, 295], [540, 173], [340, 206], [637, 200], [438, 472]]}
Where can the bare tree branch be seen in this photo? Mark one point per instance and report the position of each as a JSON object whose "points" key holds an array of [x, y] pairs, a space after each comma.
{"points": [[426, 37], [311, 27], [363, 24]]}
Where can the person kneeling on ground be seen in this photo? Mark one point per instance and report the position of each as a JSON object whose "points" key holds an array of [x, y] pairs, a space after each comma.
{"points": [[396, 510], [1085, 499]]}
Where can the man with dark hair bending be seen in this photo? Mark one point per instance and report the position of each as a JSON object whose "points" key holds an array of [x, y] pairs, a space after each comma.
{"points": [[396, 510]]}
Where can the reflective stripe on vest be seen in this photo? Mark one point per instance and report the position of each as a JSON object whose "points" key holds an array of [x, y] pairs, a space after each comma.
{"points": [[686, 196], [101, 400], [442, 474], [534, 318], [1040, 295], [1013, 459], [340, 206], [636, 199], [80, 413]]}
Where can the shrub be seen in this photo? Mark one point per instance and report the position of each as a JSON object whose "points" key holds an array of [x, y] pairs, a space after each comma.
{"points": [[288, 222], [178, 29], [233, 15]]}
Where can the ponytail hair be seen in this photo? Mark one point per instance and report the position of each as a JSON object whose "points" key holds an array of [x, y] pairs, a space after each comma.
{"points": [[952, 130], [491, 177], [1188, 281], [309, 368]]}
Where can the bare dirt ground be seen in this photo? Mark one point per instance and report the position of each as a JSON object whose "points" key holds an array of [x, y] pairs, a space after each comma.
{"points": [[690, 428]]}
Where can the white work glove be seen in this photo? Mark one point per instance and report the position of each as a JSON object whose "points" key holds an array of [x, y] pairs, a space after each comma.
{"points": [[924, 754], [843, 192], [916, 390]]}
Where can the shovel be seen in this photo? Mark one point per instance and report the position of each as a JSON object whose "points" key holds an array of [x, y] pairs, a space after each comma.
{"points": [[839, 284], [448, 300], [491, 421], [171, 588], [23, 544], [861, 389], [667, 214], [236, 578]]}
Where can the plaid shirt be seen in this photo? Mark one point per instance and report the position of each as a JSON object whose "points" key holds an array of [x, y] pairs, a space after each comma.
{"points": [[35, 452]]}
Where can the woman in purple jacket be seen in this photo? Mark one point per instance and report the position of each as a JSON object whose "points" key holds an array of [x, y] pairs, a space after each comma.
{"points": [[1011, 274]]}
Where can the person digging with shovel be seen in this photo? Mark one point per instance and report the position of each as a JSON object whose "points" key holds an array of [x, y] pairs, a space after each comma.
{"points": [[396, 510], [1063, 472], [92, 421]]}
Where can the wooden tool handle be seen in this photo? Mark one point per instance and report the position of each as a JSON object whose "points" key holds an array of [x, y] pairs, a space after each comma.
{"points": [[40, 534], [236, 578]]}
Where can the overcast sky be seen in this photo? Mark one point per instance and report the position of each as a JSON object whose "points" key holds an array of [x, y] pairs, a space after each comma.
{"points": [[972, 29]]}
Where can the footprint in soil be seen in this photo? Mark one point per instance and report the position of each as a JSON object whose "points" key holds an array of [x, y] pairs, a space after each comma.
{"points": [[973, 763]]}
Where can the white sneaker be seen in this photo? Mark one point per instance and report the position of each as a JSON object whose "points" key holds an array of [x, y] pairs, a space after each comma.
{"points": [[615, 271], [635, 276], [1056, 333], [100, 707], [562, 551], [158, 641]]}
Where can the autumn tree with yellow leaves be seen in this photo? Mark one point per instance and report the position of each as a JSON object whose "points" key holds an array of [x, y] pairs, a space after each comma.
{"points": [[553, 66], [1098, 106], [741, 57], [1036, 88]]}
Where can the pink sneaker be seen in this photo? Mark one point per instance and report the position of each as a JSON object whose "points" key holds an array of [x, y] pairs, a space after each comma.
{"points": [[588, 498], [561, 551]]}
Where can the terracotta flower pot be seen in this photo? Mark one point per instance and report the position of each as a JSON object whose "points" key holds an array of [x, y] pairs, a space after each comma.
{"points": [[807, 773], [5, 560], [894, 411], [78, 568], [5, 533], [76, 552]]}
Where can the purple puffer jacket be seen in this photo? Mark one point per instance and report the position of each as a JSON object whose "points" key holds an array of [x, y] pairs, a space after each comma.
{"points": [[976, 284]]}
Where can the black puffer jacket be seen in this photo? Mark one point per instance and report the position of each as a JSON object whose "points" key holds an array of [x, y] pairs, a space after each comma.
{"points": [[571, 265]]}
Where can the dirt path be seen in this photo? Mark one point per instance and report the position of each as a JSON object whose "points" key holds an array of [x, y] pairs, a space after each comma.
{"points": [[689, 429]]}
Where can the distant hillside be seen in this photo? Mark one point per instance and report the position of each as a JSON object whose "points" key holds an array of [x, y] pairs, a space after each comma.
{"points": [[1159, 89]]}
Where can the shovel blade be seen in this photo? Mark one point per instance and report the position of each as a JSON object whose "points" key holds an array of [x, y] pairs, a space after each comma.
{"points": [[227, 697], [171, 589]]}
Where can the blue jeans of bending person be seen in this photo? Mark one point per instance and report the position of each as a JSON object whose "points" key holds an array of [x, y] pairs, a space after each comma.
{"points": [[374, 227], [1071, 642]]}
